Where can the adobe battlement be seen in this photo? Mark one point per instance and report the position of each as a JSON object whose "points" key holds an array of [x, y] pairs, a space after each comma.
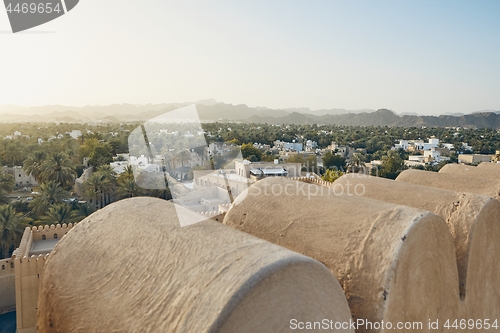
{"points": [[30, 265], [38, 233], [60, 230], [313, 181], [209, 214]]}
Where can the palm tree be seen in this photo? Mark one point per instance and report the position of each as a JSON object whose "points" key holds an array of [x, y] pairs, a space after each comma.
{"points": [[12, 153], [11, 229], [84, 210], [97, 187], [4, 198], [49, 194], [108, 172], [7, 182], [128, 188], [21, 207], [59, 168], [161, 194], [60, 213], [355, 164], [33, 164], [127, 174]]}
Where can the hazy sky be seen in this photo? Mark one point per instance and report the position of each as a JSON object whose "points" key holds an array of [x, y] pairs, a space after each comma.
{"points": [[427, 57]]}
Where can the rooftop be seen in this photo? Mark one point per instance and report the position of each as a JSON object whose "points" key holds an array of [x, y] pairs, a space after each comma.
{"points": [[42, 246]]}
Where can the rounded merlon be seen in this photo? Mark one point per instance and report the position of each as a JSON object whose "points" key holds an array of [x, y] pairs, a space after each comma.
{"points": [[452, 182], [131, 267], [360, 240], [472, 220], [471, 171]]}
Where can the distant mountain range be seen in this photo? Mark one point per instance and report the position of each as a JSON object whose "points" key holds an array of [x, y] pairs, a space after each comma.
{"points": [[211, 110]]}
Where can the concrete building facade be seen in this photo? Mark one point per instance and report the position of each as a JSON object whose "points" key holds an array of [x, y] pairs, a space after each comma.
{"points": [[21, 178]]}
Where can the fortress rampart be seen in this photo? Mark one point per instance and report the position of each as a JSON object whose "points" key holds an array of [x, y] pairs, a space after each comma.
{"points": [[205, 277], [423, 247]]}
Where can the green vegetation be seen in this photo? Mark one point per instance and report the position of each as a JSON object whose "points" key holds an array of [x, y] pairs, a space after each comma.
{"points": [[55, 160], [331, 175], [250, 152], [331, 161]]}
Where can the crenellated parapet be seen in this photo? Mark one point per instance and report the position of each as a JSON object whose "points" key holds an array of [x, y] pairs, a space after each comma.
{"points": [[311, 180], [39, 233], [209, 214], [223, 208], [32, 265], [28, 271], [50, 230], [25, 244]]}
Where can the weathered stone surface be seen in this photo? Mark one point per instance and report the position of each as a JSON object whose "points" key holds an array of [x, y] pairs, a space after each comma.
{"points": [[473, 223], [130, 267], [488, 165], [452, 182], [471, 171], [395, 263]]}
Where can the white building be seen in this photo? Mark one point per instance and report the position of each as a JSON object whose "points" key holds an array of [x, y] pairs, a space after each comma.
{"points": [[220, 179], [415, 145], [20, 177], [465, 146], [75, 134], [119, 167], [293, 146], [433, 154], [204, 199], [403, 144], [243, 169], [311, 144]]}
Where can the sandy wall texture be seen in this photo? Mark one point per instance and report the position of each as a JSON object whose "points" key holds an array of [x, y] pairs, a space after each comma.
{"points": [[474, 225], [395, 263], [452, 182], [471, 171], [491, 166], [130, 267]]}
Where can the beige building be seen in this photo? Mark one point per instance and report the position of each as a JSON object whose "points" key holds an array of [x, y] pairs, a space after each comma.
{"points": [[20, 275], [496, 157], [474, 158]]}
